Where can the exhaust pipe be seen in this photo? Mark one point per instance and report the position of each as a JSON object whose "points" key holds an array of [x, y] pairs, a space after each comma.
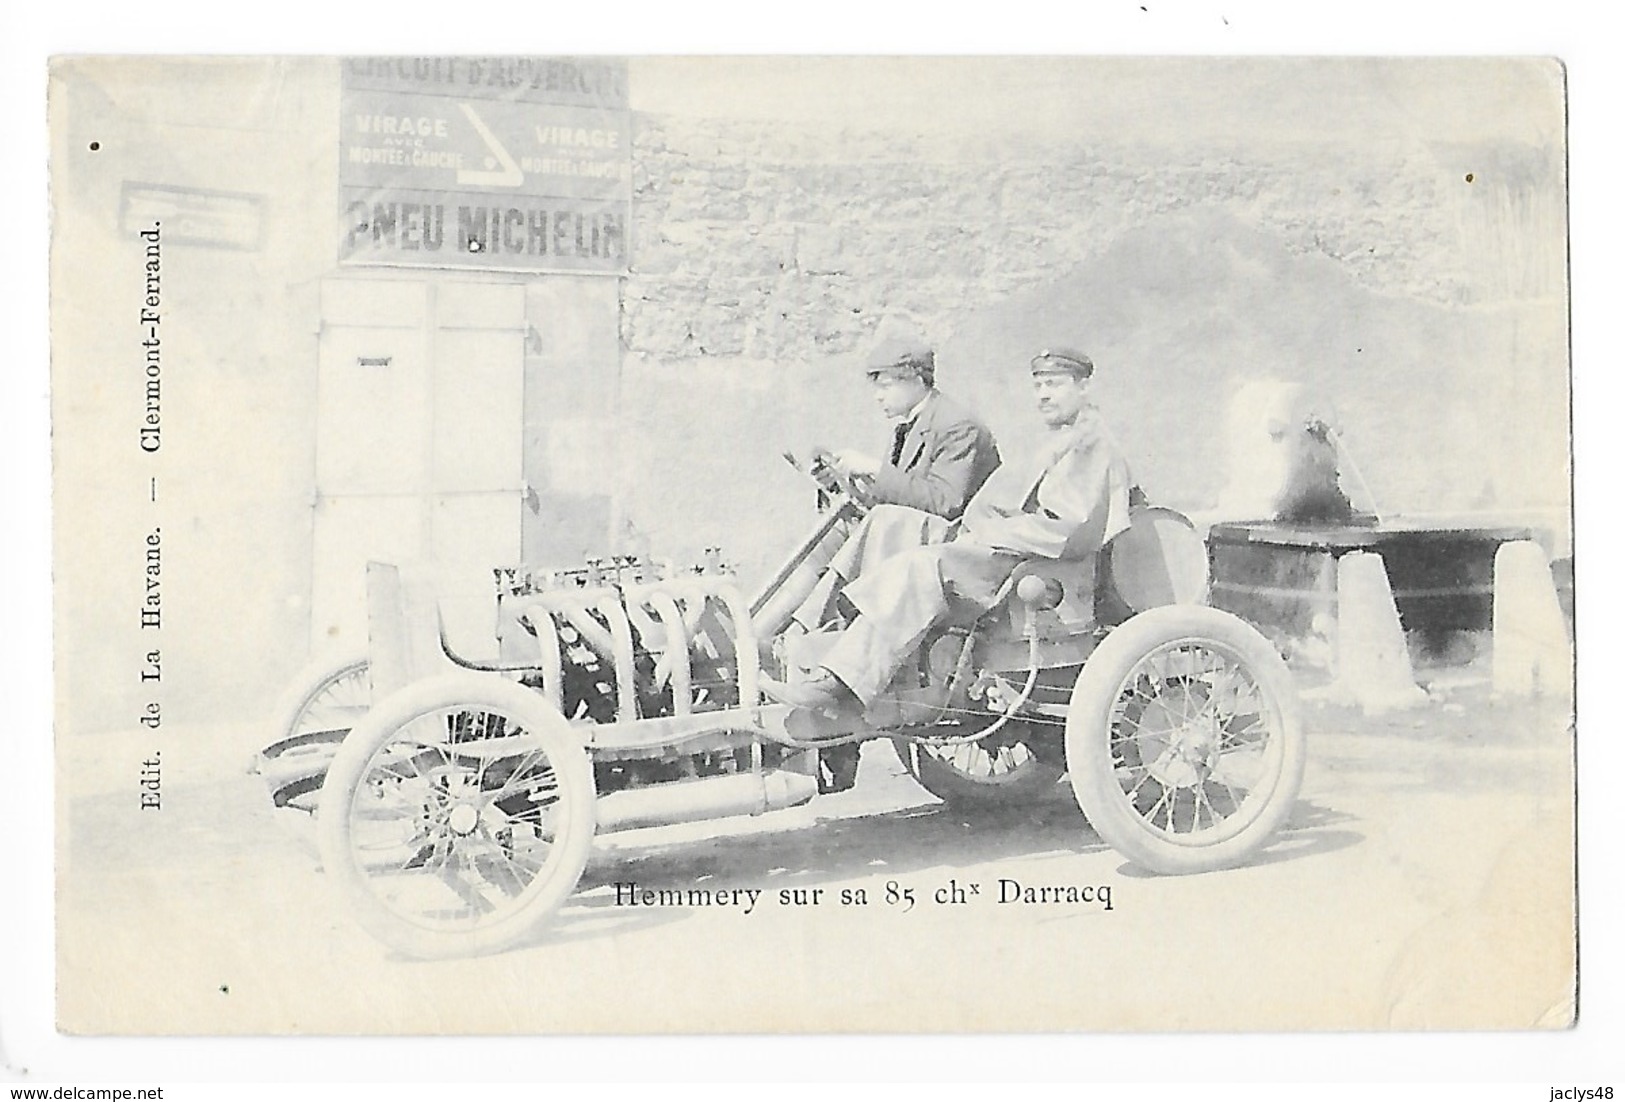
{"points": [[708, 798]]}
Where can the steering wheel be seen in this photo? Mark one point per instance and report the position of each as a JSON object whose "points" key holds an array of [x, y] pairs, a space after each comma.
{"points": [[832, 480]]}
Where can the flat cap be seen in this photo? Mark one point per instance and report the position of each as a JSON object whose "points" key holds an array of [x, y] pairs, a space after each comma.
{"points": [[899, 354], [1063, 361]]}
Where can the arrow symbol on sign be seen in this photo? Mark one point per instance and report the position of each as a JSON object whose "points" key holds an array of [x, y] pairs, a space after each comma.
{"points": [[508, 175]]}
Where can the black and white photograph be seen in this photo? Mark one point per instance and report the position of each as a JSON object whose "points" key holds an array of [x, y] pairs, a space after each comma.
{"points": [[648, 545]]}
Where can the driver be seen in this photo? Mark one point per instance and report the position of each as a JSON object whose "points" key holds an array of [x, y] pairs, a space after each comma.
{"points": [[1068, 501], [939, 456]]}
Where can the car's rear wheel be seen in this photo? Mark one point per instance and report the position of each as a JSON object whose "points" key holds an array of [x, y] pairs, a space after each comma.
{"points": [[1183, 741], [977, 775]]}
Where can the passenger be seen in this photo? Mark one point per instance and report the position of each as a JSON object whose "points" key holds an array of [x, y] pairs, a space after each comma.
{"points": [[1068, 501]]}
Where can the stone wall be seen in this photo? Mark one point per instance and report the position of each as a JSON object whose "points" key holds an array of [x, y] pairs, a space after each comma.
{"points": [[753, 242]]}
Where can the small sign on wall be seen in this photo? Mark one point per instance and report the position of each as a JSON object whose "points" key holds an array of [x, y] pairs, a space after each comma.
{"points": [[520, 164], [194, 216]]}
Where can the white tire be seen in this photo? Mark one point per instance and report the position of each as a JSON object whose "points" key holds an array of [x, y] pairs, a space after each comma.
{"points": [[458, 816], [1183, 741]]}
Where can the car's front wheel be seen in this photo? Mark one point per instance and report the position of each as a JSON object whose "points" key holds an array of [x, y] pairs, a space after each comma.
{"points": [[457, 816]]}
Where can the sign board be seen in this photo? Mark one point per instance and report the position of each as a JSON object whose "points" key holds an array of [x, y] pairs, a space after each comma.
{"points": [[194, 216], [508, 164]]}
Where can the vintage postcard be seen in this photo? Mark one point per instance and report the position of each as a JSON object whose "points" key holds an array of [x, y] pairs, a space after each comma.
{"points": [[696, 545]]}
